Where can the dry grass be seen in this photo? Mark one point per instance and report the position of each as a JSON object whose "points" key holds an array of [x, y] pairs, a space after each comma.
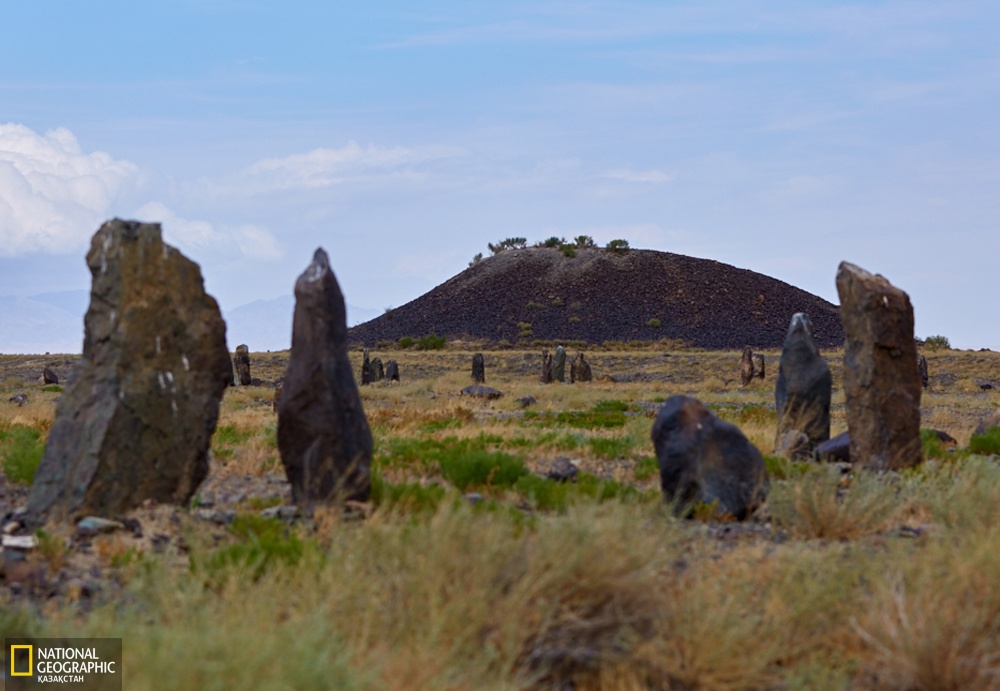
{"points": [[845, 581]]}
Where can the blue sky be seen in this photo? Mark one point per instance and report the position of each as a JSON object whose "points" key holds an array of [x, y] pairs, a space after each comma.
{"points": [[781, 137]]}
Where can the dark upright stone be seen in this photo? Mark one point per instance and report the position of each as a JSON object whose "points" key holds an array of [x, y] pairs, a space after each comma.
{"points": [[758, 366], [881, 381], [242, 364], [392, 371], [546, 377], [478, 369], [704, 460], [579, 370], [377, 370], [746, 366], [802, 393], [366, 368], [559, 365], [136, 420], [49, 377], [323, 434], [922, 370]]}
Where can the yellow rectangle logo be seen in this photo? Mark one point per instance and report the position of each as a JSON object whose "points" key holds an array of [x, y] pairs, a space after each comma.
{"points": [[13, 657]]}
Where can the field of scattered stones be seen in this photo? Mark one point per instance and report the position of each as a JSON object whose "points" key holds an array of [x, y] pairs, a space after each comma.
{"points": [[523, 541]]}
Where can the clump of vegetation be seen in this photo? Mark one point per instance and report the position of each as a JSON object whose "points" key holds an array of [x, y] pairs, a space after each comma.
{"points": [[431, 342], [508, 244], [584, 242], [618, 246], [405, 342], [52, 388], [987, 443], [476, 259], [21, 450], [653, 323], [937, 343], [532, 305], [524, 329]]}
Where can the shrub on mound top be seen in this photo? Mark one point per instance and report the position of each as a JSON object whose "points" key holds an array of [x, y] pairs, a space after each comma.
{"points": [[431, 342]]}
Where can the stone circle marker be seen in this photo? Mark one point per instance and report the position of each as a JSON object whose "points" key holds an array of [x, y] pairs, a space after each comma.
{"points": [[323, 434], [241, 362], [136, 420], [746, 366], [478, 369], [559, 364], [802, 392]]}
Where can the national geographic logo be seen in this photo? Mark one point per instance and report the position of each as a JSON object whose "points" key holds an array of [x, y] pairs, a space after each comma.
{"points": [[94, 664]]}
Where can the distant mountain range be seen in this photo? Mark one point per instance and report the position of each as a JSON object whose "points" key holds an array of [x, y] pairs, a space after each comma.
{"points": [[53, 323]]}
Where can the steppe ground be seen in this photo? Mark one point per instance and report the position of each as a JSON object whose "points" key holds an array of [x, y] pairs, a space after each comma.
{"points": [[470, 570]]}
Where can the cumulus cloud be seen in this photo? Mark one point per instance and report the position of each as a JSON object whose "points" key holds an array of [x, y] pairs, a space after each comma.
{"points": [[53, 195], [324, 167], [202, 240]]}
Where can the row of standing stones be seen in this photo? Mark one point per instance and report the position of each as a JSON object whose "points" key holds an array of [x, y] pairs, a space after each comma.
{"points": [[136, 421]]}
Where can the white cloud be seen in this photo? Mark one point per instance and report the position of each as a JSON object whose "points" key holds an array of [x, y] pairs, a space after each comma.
{"points": [[53, 196], [324, 167], [644, 176], [203, 241]]}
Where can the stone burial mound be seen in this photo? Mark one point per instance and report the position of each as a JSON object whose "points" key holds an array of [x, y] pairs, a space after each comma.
{"points": [[599, 295]]}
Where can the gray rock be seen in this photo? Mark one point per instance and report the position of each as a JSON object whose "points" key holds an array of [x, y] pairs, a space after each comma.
{"points": [[922, 371], [704, 460], [835, 450], [559, 365], [802, 392], [241, 362], [562, 470], [987, 422], [92, 525], [392, 371], [881, 382], [323, 434], [478, 369], [136, 420], [793, 444], [526, 401], [20, 399], [480, 391], [579, 370]]}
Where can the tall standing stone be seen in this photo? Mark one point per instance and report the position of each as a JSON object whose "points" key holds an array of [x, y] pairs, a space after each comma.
{"points": [[922, 371], [478, 369], [366, 368], [323, 434], [546, 377], [377, 370], [242, 364], [802, 393], [881, 382], [758, 366], [559, 364], [136, 420], [746, 366]]}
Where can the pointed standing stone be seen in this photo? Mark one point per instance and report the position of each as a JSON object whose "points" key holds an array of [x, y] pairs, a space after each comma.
{"points": [[392, 371], [377, 370], [323, 434], [922, 370], [478, 369], [546, 377], [559, 364], [881, 381], [366, 369], [758, 366], [242, 363], [579, 370], [136, 420], [802, 393]]}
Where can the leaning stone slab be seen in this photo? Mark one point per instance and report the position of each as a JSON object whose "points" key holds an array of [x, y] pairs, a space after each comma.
{"points": [[323, 434], [803, 390], [705, 460], [136, 420], [881, 382]]}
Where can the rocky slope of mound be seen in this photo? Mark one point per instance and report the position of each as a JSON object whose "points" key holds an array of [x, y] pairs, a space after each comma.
{"points": [[599, 295]]}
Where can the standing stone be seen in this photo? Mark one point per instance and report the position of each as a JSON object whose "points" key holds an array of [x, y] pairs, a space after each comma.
{"points": [[392, 371], [922, 370], [758, 366], [704, 460], [546, 377], [579, 370], [366, 366], [49, 377], [242, 363], [881, 381], [278, 388], [802, 393], [323, 434], [559, 364], [136, 420], [377, 370], [478, 369], [746, 366]]}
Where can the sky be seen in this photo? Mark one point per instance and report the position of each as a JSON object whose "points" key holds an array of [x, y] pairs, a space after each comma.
{"points": [[781, 137]]}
